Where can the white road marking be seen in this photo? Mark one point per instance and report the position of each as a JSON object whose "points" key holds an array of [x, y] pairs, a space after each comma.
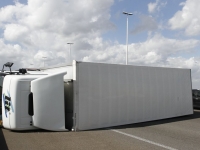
{"points": [[144, 140]]}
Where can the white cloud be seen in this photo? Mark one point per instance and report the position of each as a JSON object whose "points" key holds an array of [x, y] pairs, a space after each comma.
{"points": [[187, 19], [13, 53], [13, 32], [152, 57], [161, 47], [190, 63], [43, 30], [181, 62], [156, 6], [154, 51], [46, 27], [152, 6]]}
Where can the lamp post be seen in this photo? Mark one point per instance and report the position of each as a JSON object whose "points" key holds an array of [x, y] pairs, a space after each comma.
{"points": [[44, 60], [70, 51], [128, 14]]}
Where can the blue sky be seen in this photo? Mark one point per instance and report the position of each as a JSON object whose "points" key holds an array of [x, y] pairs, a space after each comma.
{"points": [[163, 33]]}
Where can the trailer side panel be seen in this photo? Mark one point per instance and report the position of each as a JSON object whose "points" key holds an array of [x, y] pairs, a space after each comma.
{"points": [[109, 95]]}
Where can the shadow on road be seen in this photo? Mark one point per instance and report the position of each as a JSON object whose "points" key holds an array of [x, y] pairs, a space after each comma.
{"points": [[3, 145], [163, 121], [34, 131]]}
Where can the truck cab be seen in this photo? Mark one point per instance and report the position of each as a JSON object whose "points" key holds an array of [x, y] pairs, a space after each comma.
{"points": [[15, 96]]}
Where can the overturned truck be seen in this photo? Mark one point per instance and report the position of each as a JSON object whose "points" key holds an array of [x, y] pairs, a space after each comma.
{"points": [[86, 96]]}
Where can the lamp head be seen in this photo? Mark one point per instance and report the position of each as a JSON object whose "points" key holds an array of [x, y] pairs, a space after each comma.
{"points": [[126, 13], [8, 64]]}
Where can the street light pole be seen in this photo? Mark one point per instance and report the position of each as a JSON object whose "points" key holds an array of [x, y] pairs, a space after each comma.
{"points": [[44, 60], [128, 14], [31, 64], [70, 51]]}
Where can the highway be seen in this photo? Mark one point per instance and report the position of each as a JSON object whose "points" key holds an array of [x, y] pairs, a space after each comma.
{"points": [[181, 133]]}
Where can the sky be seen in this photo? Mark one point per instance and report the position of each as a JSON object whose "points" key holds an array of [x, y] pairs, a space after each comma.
{"points": [[162, 33]]}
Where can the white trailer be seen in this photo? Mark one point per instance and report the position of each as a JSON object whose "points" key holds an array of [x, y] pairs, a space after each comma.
{"points": [[96, 95]]}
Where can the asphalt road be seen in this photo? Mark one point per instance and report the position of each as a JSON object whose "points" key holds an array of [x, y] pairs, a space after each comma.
{"points": [[177, 133]]}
